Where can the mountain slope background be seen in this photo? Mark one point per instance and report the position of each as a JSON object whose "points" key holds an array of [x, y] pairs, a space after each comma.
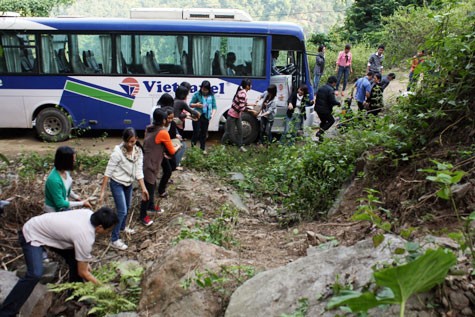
{"points": [[313, 16]]}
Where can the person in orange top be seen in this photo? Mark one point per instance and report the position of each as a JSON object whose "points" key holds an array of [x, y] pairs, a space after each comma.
{"points": [[156, 141], [416, 60]]}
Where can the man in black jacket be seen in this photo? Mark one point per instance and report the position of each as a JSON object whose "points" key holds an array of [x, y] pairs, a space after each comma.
{"points": [[324, 105]]}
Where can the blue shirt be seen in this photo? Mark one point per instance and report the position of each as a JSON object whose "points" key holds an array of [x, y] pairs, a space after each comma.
{"points": [[363, 86]]}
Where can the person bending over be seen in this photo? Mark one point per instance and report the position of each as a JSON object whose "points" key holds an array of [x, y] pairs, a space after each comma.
{"points": [[70, 234]]}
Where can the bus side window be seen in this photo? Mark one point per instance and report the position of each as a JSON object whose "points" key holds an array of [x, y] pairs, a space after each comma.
{"points": [[27, 61], [11, 50], [50, 63], [63, 61], [77, 64], [122, 64], [90, 62], [146, 64], [184, 62]]}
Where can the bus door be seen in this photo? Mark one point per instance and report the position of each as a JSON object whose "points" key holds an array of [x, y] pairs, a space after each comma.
{"points": [[17, 62]]}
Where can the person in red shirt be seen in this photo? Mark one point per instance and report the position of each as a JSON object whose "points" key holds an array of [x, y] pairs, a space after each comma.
{"points": [[233, 130]]}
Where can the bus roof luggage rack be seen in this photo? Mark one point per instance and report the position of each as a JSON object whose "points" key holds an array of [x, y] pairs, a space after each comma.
{"points": [[190, 14], [10, 14]]}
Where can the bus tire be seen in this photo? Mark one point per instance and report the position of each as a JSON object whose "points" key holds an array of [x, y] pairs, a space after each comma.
{"points": [[250, 128], [53, 125]]}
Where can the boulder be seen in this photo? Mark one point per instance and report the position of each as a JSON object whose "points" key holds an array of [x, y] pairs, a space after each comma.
{"points": [[37, 304], [278, 291], [162, 290]]}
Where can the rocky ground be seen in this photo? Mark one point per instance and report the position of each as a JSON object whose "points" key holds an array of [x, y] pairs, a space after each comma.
{"points": [[259, 239]]}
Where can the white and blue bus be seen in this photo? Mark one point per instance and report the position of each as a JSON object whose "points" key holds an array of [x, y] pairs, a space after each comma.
{"points": [[59, 74]]}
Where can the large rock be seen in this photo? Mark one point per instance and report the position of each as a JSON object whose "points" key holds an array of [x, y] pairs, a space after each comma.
{"points": [[278, 291], [162, 293], [37, 304]]}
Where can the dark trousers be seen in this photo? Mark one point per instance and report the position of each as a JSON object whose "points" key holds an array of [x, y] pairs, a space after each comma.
{"points": [[233, 131], [343, 71], [200, 131], [266, 130], [34, 263], [148, 204], [326, 120], [167, 173], [360, 105]]}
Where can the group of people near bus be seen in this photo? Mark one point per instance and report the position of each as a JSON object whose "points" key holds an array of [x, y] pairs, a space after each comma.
{"points": [[367, 90]]}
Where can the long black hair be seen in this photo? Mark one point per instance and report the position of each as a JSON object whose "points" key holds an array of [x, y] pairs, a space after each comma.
{"points": [[166, 100], [181, 93], [159, 115], [206, 84], [244, 83], [271, 93], [129, 133]]}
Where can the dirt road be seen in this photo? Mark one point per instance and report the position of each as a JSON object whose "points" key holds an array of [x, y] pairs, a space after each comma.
{"points": [[16, 141]]}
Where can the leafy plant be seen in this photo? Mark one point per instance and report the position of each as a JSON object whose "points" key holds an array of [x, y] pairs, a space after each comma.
{"points": [[369, 211], [397, 284], [4, 159], [301, 311], [223, 282], [31, 164], [218, 231], [445, 176], [119, 291]]}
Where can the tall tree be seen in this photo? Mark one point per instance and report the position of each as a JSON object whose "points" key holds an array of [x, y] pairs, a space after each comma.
{"points": [[363, 18], [31, 7]]}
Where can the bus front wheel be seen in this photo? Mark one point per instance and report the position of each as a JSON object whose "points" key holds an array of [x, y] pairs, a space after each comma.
{"points": [[250, 128], [53, 125]]}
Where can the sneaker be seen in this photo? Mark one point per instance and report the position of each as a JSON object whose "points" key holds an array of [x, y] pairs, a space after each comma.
{"points": [[147, 221], [119, 245], [129, 230], [179, 168], [242, 149], [158, 209], [204, 152], [163, 195]]}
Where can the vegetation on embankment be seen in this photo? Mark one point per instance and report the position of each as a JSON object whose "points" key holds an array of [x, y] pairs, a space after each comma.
{"points": [[306, 177]]}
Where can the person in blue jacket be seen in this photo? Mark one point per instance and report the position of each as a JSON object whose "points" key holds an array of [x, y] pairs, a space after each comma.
{"points": [[204, 102]]}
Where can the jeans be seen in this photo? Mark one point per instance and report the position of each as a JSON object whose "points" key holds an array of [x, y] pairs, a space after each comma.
{"points": [[25, 286], [292, 126], [200, 131], [266, 130], [412, 81], [345, 72], [316, 81], [148, 204], [179, 154], [34, 264], [122, 198], [233, 131]]}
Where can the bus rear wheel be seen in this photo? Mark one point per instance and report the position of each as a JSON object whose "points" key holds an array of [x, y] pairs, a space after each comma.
{"points": [[53, 125], [250, 128]]}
